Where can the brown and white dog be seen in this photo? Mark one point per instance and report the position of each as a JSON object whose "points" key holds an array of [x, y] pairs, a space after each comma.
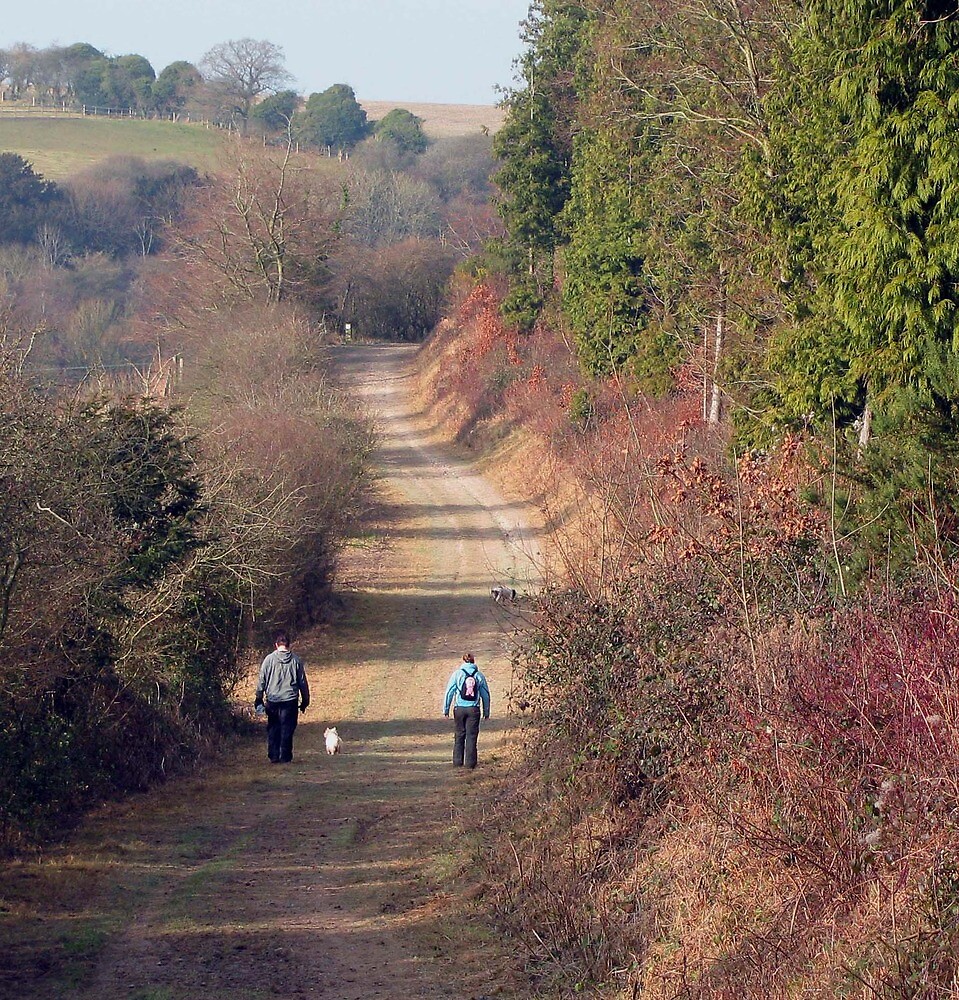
{"points": [[332, 740]]}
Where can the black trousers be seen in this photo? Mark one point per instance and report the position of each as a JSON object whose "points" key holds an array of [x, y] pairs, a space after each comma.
{"points": [[280, 723], [467, 723]]}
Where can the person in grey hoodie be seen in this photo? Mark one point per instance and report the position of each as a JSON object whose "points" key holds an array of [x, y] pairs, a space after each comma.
{"points": [[282, 683]]}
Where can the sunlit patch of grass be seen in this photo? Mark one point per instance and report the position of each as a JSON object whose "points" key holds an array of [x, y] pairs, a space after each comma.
{"points": [[358, 705], [195, 882], [462, 847], [81, 947], [364, 541], [59, 147], [443, 866]]}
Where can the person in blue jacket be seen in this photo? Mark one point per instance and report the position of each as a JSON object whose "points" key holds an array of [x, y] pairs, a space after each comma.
{"points": [[467, 692], [282, 684]]}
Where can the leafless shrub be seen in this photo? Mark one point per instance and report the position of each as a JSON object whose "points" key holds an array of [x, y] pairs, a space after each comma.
{"points": [[260, 387], [261, 231]]}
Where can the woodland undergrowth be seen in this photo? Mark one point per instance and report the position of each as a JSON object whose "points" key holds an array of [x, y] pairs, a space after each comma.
{"points": [[741, 767]]}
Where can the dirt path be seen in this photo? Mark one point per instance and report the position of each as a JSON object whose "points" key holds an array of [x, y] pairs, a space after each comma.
{"points": [[330, 877]]}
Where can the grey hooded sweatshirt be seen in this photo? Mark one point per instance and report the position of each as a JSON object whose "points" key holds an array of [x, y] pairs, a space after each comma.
{"points": [[282, 678]]}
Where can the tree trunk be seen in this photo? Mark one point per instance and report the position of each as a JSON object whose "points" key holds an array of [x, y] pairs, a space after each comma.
{"points": [[705, 373], [716, 397], [864, 431]]}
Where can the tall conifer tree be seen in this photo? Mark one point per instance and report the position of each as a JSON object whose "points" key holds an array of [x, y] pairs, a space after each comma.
{"points": [[864, 188]]}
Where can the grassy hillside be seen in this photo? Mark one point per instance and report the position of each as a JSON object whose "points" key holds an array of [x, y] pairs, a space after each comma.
{"points": [[443, 120], [58, 147]]}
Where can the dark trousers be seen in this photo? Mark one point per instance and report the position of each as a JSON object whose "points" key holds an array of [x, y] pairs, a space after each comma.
{"points": [[466, 722], [280, 723]]}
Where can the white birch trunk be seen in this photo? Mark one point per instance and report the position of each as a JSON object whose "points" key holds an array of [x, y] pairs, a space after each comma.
{"points": [[716, 397], [864, 431]]}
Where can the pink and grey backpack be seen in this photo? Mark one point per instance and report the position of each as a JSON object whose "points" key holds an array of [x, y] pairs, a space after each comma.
{"points": [[469, 688]]}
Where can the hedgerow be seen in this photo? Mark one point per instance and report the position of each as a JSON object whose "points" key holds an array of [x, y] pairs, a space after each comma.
{"points": [[142, 547]]}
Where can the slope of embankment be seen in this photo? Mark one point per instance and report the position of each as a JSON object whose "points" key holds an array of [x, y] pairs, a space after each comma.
{"points": [[740, 778]]}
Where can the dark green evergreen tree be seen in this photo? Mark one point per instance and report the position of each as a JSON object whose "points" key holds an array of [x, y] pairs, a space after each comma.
{"points": [[534, 177], [403, 129], [135, 79], [333, 119], [121, 82], [275, 113], [535, 148], [862, 190], [26, 200], [174, 87], [604, 292]]}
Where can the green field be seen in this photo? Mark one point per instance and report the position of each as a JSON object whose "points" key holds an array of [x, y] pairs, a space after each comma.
{"points": [[59, 147]]}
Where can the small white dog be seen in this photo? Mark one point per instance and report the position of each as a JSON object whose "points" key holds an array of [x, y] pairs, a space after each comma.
{"points": [[501, 594], [332, 740]]}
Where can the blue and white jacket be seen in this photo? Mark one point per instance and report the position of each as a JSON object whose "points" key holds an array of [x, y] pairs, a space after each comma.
{"points": [[453, 690]]}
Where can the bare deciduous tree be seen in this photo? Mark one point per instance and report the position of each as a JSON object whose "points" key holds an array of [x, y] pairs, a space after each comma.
{"points": [[266, 229], [242, 70], [21, 66], [386, 207], [708, 62]]}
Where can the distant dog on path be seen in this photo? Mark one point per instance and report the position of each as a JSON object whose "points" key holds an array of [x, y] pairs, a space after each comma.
{"points": [[332, 740], [501, 594]]}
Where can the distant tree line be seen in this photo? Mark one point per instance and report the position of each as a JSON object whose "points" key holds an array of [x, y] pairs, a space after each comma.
{"points": [[81, 74], [398, 187], [238, 82]]}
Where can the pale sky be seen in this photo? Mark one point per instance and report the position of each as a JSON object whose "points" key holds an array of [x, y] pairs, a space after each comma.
{"points": [[443, 51]]}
